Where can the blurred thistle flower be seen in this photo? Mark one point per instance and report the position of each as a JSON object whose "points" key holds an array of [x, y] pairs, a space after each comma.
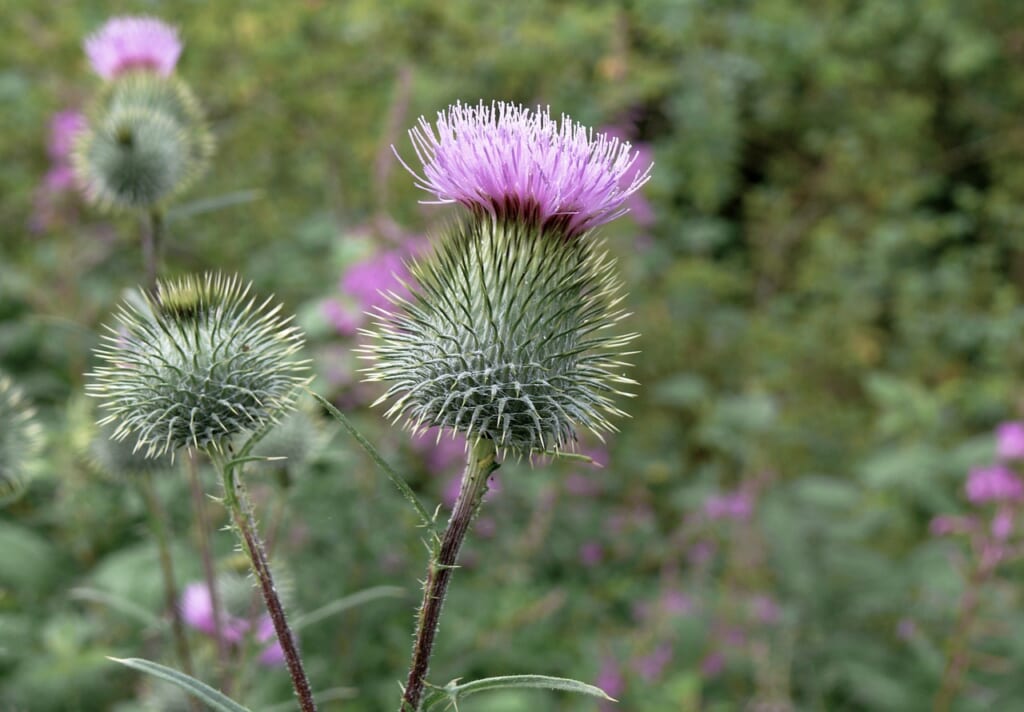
{"points": [[195, 365], [64, 127], [1010, 440], [365, 286], [993, 484], [119, 458], [516, 164], [504, 335], [133, 158], [128, 43], [738, 505], [21, 441], [1002, 524], [60, 178], [197, 609], [272, 655]]}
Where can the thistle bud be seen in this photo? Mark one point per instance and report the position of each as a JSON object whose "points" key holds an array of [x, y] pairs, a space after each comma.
{"points": [[21, 441], [195, 365], [508, 332], [134, 158]]}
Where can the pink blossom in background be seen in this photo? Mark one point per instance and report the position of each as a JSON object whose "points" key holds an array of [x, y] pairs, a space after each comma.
{"points": [[345, 320], [676, 603], [712, 664], [519, 163], [610, 678], [651, 667], [364, 287], [60, 178], [765, 609], [701, 552], [591, 553], [64, 127], [1010, 440], [441, 456], [738, 505], [197, 612], [946, 524], [993, 484], [1002, 524], [272, 655], [125, 43]]}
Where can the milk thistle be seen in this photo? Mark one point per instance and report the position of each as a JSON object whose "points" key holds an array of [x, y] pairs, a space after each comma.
{"points": [[508, 335]]}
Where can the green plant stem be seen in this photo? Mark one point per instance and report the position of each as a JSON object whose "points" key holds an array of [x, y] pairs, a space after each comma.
{"points": [[479, 466], [958, 648], [237, 501], [209, 573], [152, 239], [158, 523]]}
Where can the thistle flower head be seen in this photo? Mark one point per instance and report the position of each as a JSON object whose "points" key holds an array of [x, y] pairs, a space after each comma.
{"points": [[21, 441], [513, 163], [126, 43], [133, 159], [506, 337], [195, 365]]}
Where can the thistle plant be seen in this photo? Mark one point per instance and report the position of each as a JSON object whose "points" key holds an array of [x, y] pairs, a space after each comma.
{"points": [[200, 363], [146, 140], [21, 441], [509, 334]]}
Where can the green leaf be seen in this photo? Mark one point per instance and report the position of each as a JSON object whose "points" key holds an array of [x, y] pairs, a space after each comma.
{"points": [[396, 479], [215, 699], [118, 603], [209, 205], [343, 604], [453, 692]]}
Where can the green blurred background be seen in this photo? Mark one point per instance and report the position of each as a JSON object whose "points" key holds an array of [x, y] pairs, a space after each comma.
{"points": [[825, 269]]}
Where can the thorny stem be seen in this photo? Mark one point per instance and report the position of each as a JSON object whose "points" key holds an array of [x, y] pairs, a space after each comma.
{"points": [[152, 237], [479, 466], [237, 501], [203, 532], [158, 523]]}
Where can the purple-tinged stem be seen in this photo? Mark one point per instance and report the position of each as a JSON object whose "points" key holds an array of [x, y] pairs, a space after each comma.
{"points": [[479, 466]]}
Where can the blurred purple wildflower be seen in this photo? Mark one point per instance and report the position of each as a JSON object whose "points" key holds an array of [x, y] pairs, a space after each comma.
{"points": [[1010, 440], [737, 505], [442, 455], [946, 524], [59, 179], [1002, 524], [365, 286], [125, 43], [650, 667], [591, 553], [197, 612], [993, 484], [272, 655], [765, 609], [676, 603], [514, 163], [712, 664], [610, 678], [906, 629]]}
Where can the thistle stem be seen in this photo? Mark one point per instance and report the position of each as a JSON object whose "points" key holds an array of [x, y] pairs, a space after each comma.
{"points": [[209, 573], [152, 238], [237, 501], [158, 523], [479, 466]]}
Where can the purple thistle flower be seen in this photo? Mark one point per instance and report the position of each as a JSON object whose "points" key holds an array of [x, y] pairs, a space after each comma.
{"points": [[1010, 440], [125, 43], [64, 126], [993, 484], [513, 163], [272, 655]]}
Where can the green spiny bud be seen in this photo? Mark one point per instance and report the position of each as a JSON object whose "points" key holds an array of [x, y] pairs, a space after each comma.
{"points": [[21, 441], [195, 365], [505, 337], [133, 158]]}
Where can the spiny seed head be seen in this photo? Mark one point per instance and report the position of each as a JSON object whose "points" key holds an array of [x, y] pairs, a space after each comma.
{"points": [[506, 336], [21, 441], [195, 365], [511, 162], [133, 158]]}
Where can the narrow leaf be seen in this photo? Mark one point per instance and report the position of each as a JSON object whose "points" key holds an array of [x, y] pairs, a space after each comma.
{"points": [[455, 692], [209, 205], [395, 478], [216, 700], [118, 603], [343, 604]]}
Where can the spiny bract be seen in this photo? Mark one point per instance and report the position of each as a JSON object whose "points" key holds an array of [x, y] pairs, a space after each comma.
{"points": [[506, 337], [21, 441], [195, 365]]}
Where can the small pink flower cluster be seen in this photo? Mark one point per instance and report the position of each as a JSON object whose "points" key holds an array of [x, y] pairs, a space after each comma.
{"points": [[59, 180], [197, 611]]}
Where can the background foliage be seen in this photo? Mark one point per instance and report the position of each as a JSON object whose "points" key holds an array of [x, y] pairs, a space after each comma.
{"points": [[828, 286]]}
